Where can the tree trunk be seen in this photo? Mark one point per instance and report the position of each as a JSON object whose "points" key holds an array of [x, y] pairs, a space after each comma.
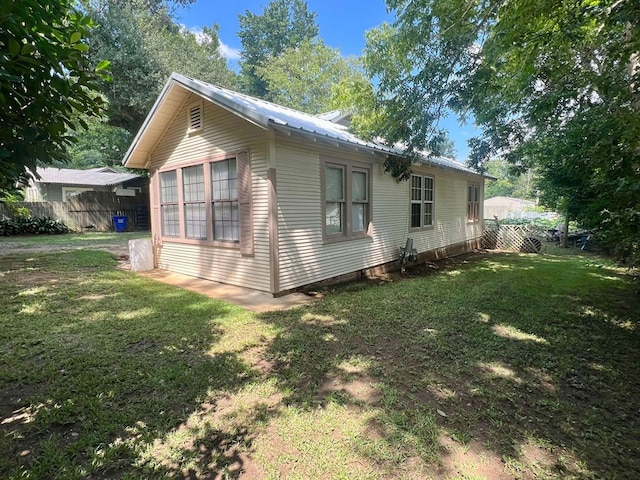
{"points": [[565, 233]]}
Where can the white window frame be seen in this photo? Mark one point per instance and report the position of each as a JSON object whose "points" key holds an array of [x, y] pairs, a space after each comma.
{"points": [[423, 200], [473, 202]]}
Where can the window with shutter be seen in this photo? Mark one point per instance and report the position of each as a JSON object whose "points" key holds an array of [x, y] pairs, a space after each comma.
{"points": [[209, 202]]}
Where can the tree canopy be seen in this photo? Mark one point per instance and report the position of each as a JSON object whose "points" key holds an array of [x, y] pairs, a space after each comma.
{"points": [[304, 77], [283, 24], [45, 78], [145, 44], [553, 85]]}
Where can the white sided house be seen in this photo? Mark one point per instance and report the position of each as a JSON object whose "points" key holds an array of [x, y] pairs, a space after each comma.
{"points": [[250, 193]]}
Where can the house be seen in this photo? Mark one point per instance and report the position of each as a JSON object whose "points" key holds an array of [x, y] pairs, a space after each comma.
{"points": [[254, 194], [507, 207], [60, 184]]}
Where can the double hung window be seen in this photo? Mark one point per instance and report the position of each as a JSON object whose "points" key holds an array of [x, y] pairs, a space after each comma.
{"points": [[195, 211], [203, 202], [422, 201], [169, 209], [347, 203], [473, 202], [224, 195]]}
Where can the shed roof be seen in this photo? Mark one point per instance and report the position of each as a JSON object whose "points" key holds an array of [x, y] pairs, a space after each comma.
{"points": [[508, 201], [103, 176], [257, 111]]}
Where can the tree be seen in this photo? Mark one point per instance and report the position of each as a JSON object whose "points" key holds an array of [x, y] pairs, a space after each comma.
{"points": [[145, 45], [553, 85], [283, 24], [304, 77], [510, 181], [101, 145], [45, 77]]}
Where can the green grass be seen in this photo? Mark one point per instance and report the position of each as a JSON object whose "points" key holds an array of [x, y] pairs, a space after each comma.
{"points": [[71, 240], [503, 366]]}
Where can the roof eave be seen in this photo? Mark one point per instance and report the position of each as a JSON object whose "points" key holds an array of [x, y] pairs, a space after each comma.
{"points": [[130, 159]]}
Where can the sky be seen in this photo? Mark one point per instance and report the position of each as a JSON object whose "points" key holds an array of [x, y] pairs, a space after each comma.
{"points": [[342, 25]]}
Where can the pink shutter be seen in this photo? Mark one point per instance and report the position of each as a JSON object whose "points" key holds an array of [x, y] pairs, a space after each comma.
{"points": [[244, 203]]}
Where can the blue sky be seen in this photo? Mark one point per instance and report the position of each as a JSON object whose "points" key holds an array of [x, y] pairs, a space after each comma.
{"points": [[342, 25]]}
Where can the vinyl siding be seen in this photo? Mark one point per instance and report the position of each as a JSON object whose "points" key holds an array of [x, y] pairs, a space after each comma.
{"points": [[304, 258], [222, 133]]}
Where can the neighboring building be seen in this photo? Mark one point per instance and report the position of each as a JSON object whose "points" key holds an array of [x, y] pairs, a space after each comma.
{"points": [[509, 207], [60, 184], [250, 193]]}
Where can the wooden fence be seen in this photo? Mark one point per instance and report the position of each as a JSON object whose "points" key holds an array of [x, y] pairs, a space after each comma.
{"points": [[92, 211], [515, 238]]}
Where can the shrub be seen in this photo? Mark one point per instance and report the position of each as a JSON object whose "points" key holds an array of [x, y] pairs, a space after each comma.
{"points": [[23, 225]]}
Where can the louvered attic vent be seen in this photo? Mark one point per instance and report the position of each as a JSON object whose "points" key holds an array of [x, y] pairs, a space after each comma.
{"points": [[195, 117]]}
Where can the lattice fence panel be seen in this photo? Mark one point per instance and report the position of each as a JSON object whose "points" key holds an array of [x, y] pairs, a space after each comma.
{"points": [[515, 238]]}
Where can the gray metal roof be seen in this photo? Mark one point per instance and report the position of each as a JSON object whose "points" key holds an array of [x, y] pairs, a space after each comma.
{"points": [[266, 114], [95, 176]]}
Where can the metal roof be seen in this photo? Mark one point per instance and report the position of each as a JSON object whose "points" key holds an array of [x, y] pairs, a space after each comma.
{"points": [[95, 176], [261, 113]]}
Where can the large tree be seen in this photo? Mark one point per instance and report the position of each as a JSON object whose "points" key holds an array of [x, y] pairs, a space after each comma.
{"points": [[144, 45], [46, 77], [553, 85], [304, 77], [282, 25]]}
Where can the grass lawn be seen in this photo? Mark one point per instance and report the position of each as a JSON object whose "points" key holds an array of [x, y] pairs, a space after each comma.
{"points": [[503, 366], [71, 240]]}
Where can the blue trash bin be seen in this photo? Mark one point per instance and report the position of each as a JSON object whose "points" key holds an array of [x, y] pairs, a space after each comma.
{"points": [[120, 222]]}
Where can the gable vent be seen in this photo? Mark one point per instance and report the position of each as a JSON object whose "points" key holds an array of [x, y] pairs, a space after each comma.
{"points": [[195, 117]]}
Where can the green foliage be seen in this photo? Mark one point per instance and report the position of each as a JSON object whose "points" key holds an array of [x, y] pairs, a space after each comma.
{"points": [[283, 24], [101, 145], [398, 166], [122, 376], [27, 225], [145, 45], [45, 78], [553, 85], [11, 200], [510, 181], [303, 76]]}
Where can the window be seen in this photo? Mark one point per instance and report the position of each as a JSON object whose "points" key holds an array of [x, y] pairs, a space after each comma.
{"points": [[473, 202], [208, 202], [224, 188], [195, 212], [169, 204], [70, 192], [422, 200], [335, 200], [347, 207]]}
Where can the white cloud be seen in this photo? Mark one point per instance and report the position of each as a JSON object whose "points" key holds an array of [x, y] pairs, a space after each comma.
{"points": [[228, 52]]}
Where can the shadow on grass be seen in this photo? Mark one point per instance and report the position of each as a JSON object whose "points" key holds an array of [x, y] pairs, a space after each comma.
{"points": [[99, 365], [532, 359]]}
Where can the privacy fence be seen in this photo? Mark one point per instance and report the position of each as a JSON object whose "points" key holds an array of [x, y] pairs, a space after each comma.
{"points": [[92, 211]]}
